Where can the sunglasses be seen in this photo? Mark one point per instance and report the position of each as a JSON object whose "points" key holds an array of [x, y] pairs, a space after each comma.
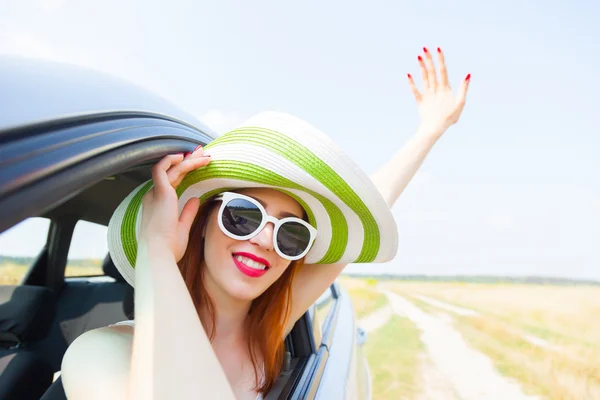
{"points": [[243, 217]]}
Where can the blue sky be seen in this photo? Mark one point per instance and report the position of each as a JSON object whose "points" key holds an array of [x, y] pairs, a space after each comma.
{"points": [[513, 188]]}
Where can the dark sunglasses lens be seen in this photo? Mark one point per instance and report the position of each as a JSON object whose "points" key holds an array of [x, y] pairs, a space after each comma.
{"points": [[241, 217], [293, 238]]}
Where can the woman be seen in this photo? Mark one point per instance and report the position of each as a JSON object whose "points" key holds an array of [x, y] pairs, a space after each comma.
{"points": [[244, 222]]}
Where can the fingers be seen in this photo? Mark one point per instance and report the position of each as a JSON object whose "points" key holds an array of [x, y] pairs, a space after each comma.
{"points": [[414, 89], [424, 76], [462, 92], [170, 170], [188, 214], [431, 74], [192, 162], [444, 84], [159, 171]]}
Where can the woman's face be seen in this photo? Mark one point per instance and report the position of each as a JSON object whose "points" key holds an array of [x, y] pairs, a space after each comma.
{"points": [[223, 255]]}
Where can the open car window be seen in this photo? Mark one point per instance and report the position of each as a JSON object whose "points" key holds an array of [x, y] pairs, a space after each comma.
{"points": [[88, 248], [19, 247]]}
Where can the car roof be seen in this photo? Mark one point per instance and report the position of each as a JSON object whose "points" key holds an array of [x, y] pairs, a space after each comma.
{"points": [[36, 91]]}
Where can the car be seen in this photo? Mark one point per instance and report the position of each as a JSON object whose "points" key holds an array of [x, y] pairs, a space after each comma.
{"points": [[73, 143]]}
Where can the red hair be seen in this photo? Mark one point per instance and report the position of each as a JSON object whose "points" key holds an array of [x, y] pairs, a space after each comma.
{"points": [[268, 314]]}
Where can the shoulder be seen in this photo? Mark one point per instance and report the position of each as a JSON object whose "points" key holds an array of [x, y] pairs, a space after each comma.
{"points": [[96, 365]]}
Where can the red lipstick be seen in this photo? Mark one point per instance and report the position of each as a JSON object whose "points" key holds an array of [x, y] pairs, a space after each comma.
{"points": [[249, 271]]}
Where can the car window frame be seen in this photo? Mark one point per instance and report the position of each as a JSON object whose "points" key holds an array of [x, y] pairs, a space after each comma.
{"points": [[314, 366], [72, 155], [330, 321]]}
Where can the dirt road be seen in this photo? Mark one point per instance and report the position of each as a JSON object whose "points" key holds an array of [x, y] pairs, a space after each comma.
{"points": [[452, 369]]}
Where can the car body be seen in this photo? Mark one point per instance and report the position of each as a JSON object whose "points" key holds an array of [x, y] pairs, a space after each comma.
{"points": [[73, 144]]}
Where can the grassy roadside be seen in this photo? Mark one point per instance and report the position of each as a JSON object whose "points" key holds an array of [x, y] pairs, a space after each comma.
{"points": [[551, 374], [393, 356], [364, 295], [509, 312], [366, 301]]}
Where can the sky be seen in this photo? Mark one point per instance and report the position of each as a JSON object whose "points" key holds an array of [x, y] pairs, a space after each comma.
{"points": [[512, 189]]}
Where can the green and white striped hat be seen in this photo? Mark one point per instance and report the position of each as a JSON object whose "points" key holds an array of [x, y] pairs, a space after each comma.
{"points": [[279, 151]]}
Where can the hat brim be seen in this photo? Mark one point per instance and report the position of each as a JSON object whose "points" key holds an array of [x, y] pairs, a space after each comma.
{"points": [[278, 151]]}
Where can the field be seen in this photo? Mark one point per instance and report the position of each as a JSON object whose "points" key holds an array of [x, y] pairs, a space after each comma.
{"points": [[545, 337], [365, 296], [392, 351], [12, 270]]}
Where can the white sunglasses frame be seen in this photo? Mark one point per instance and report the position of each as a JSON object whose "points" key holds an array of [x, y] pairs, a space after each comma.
{"points": [[226, 197]]}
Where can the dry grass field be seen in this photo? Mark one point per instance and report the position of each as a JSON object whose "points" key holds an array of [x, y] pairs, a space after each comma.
{"points": [[545, 336], [364, 294], [12, 274], [392, 351]]}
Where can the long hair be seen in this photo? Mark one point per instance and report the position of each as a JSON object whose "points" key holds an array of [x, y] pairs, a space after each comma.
{"points": [[268, 315]]}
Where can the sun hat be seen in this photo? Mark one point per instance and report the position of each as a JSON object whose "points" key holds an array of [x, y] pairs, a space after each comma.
{"points": [[279, 151]]}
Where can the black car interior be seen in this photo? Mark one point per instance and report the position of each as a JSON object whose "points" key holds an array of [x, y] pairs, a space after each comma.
{"points": [[26, 316], [42, 317]]}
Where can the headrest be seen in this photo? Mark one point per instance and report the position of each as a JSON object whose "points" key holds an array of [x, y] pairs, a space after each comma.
{"points": [[26, 314], [110, 270]]}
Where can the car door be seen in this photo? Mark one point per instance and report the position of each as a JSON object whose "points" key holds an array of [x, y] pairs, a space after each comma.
{"points": [[344, 373], [336, 367]]}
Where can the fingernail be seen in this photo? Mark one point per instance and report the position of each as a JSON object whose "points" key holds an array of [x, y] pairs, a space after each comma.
{"points": [[187, 154], [420, 58], [468, 77], [196, 149], [425, 49], [409, 76], [439, 50]]}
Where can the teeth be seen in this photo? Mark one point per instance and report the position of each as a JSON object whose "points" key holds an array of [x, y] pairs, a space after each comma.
{"points": [[250, 263]]}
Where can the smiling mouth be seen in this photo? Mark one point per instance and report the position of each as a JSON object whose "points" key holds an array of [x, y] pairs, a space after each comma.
{"points": [[250, 262], [250, 265]]}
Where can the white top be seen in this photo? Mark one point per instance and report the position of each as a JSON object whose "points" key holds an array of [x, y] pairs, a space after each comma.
{"points": [[132, 324]]}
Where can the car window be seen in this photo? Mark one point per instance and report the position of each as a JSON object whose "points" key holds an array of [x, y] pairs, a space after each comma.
{"points": [[88, 249], [19, 247], [323, 306]]}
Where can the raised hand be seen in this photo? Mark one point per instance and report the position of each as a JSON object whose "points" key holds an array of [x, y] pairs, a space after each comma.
{"points": [[161, 225], [439, 108]]}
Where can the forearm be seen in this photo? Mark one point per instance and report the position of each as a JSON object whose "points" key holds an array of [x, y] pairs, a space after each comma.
{"points": [[392, 178], [172, 356]]}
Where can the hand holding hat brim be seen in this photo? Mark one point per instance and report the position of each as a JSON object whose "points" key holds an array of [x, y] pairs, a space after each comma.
{"points": [[161, 223]]}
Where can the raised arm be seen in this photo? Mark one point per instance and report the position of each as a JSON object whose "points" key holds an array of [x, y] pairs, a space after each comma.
{"points": [[171, 356], [438, 108]]}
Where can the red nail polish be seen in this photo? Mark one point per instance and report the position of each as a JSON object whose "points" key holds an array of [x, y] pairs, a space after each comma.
{"points": [[468, 77], [420, 58], [409, 76], [439, 50], [187, 154], [196, 149], [425, 49]]}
